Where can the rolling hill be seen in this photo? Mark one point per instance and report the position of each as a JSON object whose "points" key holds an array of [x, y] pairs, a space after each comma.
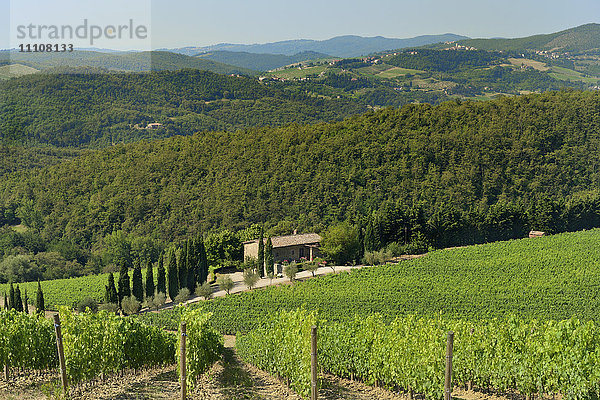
{"points": [[260, 62], [454, 174], [340, 46], [581, 39], [86, 108], [15, 70], [120, 61]]}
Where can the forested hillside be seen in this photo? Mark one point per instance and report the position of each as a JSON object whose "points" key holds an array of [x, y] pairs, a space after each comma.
{"points": [[85, 107], [458, 173], [143, 61], [584, 38], [260, 61]]}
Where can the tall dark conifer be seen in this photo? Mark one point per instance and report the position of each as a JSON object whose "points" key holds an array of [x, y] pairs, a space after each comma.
{"points": [[111, 295], [161, 279], [137, 287], [269, 260], [192, 265], [5, 301], [11, 297], [261, 254], [25, 302], [182, 267], [124, 284], [202, 261], [149, 287], [40, 307], [18, 300], [172, 276]]}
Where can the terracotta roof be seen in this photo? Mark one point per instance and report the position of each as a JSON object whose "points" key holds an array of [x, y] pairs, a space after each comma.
{"points": [[291, 240]]}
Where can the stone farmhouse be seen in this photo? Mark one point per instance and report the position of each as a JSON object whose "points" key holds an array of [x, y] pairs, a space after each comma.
{"points": [[291, 247]]}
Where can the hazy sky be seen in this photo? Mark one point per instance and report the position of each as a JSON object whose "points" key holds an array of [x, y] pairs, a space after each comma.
{"points": [[176, 23]]}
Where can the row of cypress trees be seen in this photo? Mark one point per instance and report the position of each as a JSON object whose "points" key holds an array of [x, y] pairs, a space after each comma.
{"points": [[174, 274], [14, 300]]}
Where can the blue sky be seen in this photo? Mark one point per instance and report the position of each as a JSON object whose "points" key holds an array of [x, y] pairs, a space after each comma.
{"points": [[176, 23]]}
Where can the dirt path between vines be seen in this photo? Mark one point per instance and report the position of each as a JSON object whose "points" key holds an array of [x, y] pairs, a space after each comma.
{"points": [[228, 379]]}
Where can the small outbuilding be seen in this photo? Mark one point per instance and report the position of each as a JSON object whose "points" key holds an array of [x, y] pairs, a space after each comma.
{"points": [[534, 234], [291, 247]]}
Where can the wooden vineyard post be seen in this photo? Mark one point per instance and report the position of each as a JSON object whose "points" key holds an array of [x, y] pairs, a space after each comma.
{"points": [[448, 380], [182, 360], [61, 352], [6, 371], [314, 387]]}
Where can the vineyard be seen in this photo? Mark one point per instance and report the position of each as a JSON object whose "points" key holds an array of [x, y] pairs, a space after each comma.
{"points": [[102, 344], [67, 292], [553, 277], [408, 354], [70, 291]]}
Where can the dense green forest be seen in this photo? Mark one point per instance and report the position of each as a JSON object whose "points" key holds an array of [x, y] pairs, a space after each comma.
{"points": [[85, 107], [457, 173], [443, 61], [16, 158]]}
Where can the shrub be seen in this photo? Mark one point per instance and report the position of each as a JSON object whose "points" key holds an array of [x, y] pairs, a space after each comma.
{"points": [[311, 266], [290, 271], [377, 257], [130, 305], [182, 296], [225, 283], [204, 290], [250, 278], [159, 300], [86, 303], [369, 258], [109, 307]]}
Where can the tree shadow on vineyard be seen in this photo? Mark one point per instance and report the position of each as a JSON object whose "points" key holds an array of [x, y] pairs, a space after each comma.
{"points": [[233, 373]]}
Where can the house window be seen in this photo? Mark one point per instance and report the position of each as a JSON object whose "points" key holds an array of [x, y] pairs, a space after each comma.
{"points": [[276, 254], [292, 252], [301, 252]]}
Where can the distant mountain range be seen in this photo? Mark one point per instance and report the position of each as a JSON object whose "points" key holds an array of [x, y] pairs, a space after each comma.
{"points": [[260, 61], [245, 59], [340, 46], [584, 38]]}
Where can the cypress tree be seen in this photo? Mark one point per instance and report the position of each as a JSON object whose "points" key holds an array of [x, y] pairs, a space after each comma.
{"points": [[18, 301], [124, 284], [182, 267], [39, 299], [192, 264], [161, 283], [372, 239], [261, 254], [149, 279], [11, 297], [26, 302], [172, 277], [5, 301], [137, 288], [202, 263], [111, 295], [269, 261]]}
